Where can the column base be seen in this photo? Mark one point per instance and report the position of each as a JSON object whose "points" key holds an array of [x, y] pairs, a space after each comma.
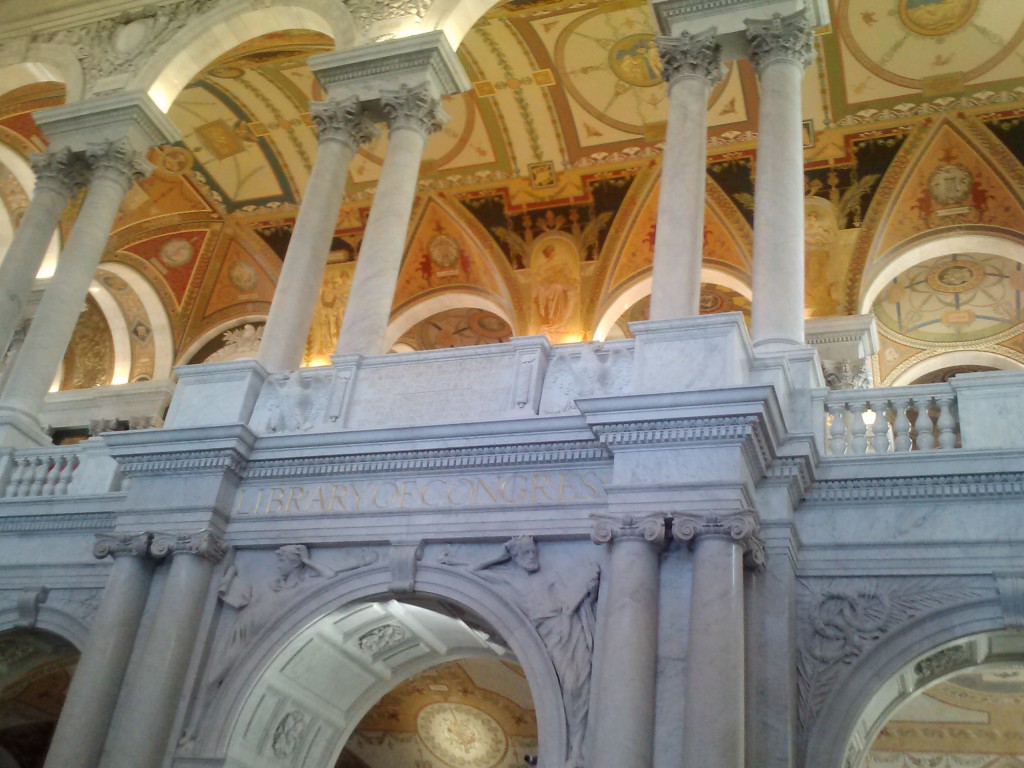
{"points": [[21, 430]]}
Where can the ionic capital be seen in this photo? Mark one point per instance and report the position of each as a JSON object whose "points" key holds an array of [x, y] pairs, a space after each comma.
{"points": [[608, 528], [61, 170], [204, 544], [117, 160], [741, 528], [113, 545], [691, 55], [414, 108], [343, 121], [781, 38]]}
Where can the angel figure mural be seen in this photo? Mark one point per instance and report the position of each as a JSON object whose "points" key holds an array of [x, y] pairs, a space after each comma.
{"points": [[562, 609], [555, 291]]}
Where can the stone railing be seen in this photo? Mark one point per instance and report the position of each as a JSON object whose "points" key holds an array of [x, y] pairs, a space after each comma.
{"points": [[43, 472], [891, 420]]}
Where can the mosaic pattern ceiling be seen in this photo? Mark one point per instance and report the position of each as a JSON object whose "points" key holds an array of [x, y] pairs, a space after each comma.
{"points": [[538, 199]]}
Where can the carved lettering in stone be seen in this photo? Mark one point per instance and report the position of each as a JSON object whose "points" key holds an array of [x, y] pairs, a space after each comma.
{"points": [[561, 607], [842, 618], [382, 638]]}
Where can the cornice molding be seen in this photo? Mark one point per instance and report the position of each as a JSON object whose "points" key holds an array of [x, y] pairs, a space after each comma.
{"points": [[925, 487]]}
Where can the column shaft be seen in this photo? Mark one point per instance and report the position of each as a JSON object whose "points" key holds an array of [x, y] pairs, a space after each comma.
{"points": [[92, 697], [57, 175], [624, 721], [692, 65], [413, 115], [713, 718], [150, 703], [342, 128], [58, 312], [781, 48]]}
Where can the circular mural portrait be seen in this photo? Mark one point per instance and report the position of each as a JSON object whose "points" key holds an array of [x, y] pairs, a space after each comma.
{"points": [[936, 17]]}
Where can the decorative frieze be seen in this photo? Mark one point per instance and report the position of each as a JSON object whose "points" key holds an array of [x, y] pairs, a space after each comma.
{"points": [[344, 121], [691, 55], [414, 108], [781, 38]]}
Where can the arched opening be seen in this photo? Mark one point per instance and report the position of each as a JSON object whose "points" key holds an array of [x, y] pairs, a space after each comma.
{"points": [[957, 705], [485, 320], [35, 671]]}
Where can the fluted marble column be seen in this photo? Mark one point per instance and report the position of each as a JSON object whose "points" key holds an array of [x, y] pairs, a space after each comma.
{"points": [[59, 173], [343, 127], [692, 65], [412, 115], [89, 706], [623, 724], [149, 704], [114, 164], [713, 720], [780, 49]]}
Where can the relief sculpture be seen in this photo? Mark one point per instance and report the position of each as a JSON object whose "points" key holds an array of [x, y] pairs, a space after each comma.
{"points": [[561, 608]]}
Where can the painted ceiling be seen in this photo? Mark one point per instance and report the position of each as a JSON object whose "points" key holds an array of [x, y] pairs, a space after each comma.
{"points": [[538, 199], [970, 720]]}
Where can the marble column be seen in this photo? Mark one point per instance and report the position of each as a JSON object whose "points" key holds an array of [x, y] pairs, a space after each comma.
{"points": [[114, 164], [59, 174], [149, 704], [780, 49], [413, 113], [623, 725], [713, 720], [89, 706], [343, 127], [692, 65]]}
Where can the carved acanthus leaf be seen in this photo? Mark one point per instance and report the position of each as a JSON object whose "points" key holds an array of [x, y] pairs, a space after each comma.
{"points": [[60, 169], [841, 619], [343, 121], [368, 13], [413, 108], [691, 55], [781, 38]]}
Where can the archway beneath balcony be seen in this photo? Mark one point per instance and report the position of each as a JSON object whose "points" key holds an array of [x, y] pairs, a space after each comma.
{"points": [[841, 726], [318, 671]]}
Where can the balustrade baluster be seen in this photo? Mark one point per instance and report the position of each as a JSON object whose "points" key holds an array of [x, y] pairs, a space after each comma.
{"points": [[901, 426], [41, 468], [858, 429], [946, 423], [66, 473], [879, 428], [17, 475], [837, 431], [923, 425]]}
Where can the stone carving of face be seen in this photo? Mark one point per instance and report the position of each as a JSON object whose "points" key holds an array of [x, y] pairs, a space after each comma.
{"points": [[524, 554], [289, 560]]}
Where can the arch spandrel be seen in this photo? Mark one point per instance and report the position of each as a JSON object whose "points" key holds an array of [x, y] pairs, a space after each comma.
{"points": [[236, 708]]}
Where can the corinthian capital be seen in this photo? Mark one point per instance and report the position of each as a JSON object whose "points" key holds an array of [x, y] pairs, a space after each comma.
{"points": [[415, 108], [62, 170], [204, 544], [690, 55], [781, 38], [606, 528], [740, 528], [118, 160], [112, 545], [343, 121]]}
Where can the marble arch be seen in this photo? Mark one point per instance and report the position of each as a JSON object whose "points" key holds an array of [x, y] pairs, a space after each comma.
{"points": [[973, 357], [918, 250], [236, 322], [43, 64], [248, 683], [160, 324], [641, 287], [427, 307], [839, 723], [228, 25]]}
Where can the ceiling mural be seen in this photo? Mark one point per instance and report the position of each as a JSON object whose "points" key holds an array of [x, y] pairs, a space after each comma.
{"points": [[540, 194], [970, 720], [475, 713]]}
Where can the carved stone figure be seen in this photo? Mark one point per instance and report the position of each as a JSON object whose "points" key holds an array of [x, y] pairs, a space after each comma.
{"points": [[561, 608], [295, 403], [596, 372]]}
